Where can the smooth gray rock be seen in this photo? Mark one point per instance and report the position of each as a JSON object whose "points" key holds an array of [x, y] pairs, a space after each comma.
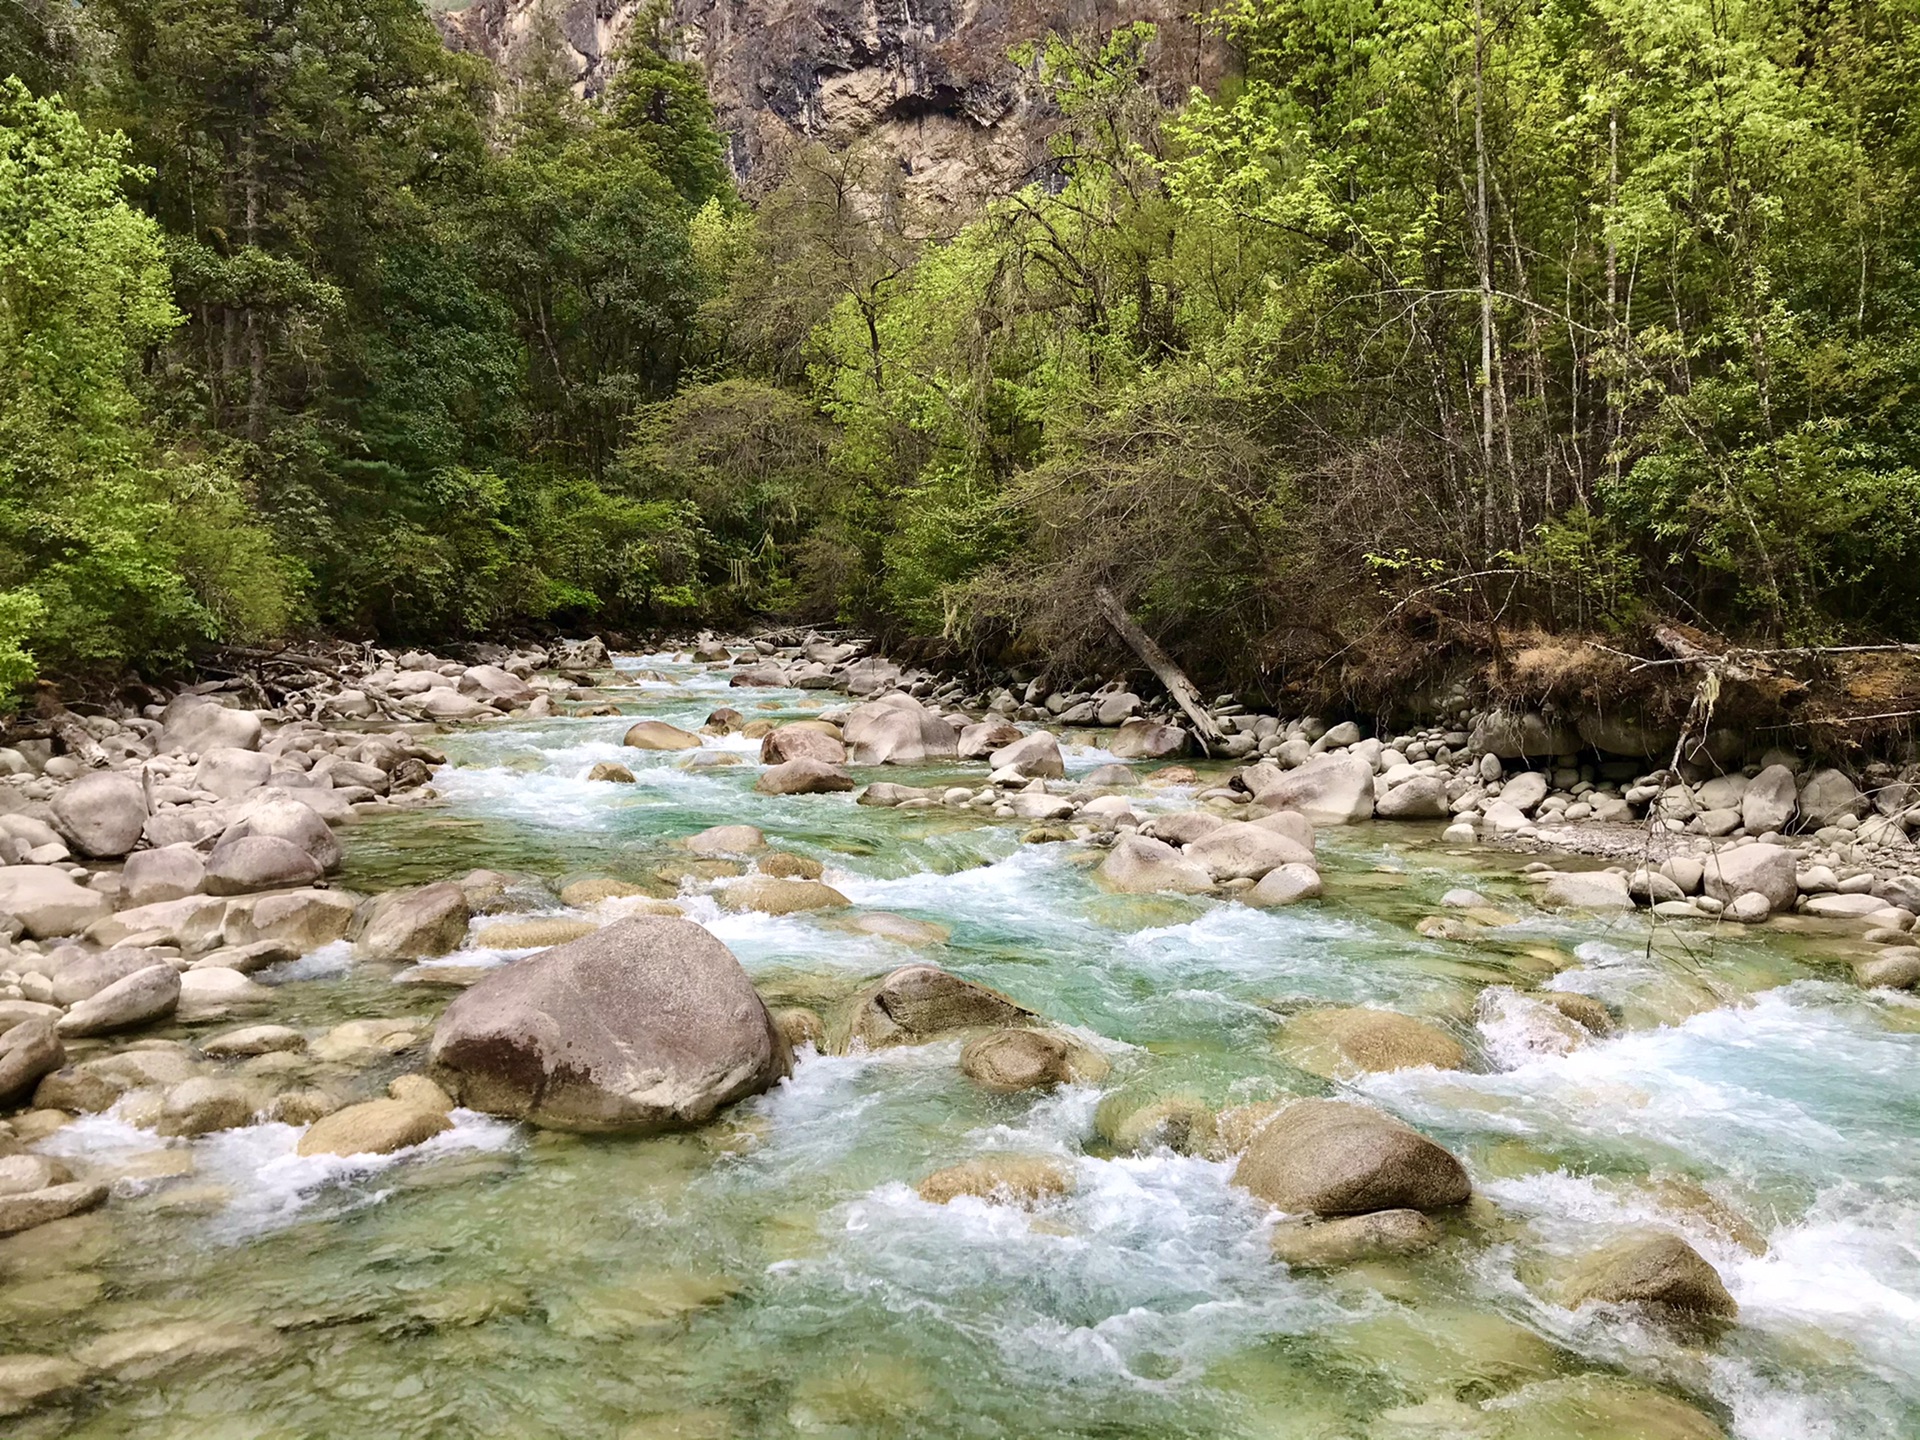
{"points": [[1332, 1157], [101, 815], [243, 864], [144, 996], [49, 903], [168, 873], [649, 1024]]}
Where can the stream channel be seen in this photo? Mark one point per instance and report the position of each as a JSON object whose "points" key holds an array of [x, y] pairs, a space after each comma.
{"points": [[776, 1274]]}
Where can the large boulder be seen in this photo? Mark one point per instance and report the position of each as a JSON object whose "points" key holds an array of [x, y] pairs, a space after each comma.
{"points": [[229, 772], [207, 1103], [1587, 890], [1770, 800], [1521, 736], [28, 1051], [247, 863], [415, 924], [495, 686], [802, 742], [1423, 797], [1743, 869], [720, 840], [918, 1003], [898, 730], [1328, 790], [773, 896], [803, 777], [101, 815], [1037, 756], [1361, 1040], [303, 919], [1147, 740], [1138, 865], [1332, 1157], [144, 996], [976, 742], [48, 902], [659, 735], [374, 1127], [169, 873], [1651, 1268], [1018, 1058], [193, 724], [79, 974], [649, 1024], [1620, 735], [1284, 885], [1829, 795], [1246, 852], [277, 814]]}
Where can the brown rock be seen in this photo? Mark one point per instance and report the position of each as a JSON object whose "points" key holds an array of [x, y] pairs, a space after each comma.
{"points": [[1324, 1244], [1015, 1179], [1651, 1268], [1331, 1157], [374, 1127], [917, 1003], [1367, 1041]]}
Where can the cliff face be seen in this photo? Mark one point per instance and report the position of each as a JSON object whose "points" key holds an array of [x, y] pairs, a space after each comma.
{"points": [[929, 80]]}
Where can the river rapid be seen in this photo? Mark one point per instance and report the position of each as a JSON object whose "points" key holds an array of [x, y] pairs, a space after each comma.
{"points": [[777, 1275]]}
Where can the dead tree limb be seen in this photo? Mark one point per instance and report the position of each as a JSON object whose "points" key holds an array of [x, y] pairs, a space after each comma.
{"points": [[78, 740], [1169, 674]]}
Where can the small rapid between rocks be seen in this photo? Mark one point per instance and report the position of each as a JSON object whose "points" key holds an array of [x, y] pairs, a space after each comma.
{"points": [[778, 1271]]}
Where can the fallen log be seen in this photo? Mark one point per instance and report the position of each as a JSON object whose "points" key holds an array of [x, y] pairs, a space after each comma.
{"points": [[1165, 671]]}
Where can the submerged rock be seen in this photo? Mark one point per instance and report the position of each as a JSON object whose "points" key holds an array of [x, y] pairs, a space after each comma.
{"points": [[803, 777], [1324, 1244], [374, 1127], [1333, 1157], [658, 735], [1367, 1041], [780, 897], [917, 1003], [1016, 1179], [1023, 1059], [649, 1024], [1651, 1268]]}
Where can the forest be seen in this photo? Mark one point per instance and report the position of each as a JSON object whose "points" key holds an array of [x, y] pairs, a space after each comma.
{"points": [[1445, 320]]}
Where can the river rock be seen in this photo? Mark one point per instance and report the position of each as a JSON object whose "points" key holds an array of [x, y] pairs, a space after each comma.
{"points": [[30, 1208], [1844, 907], [611, 773], [495, 685], [100, 815], [1586, 890], [1147, 740], [207, 1103], [976, 742], [253, 1040], [248, 863], [373, 1127], [1525, 791], [1246, 852], [228, 772], [1367, 1041], [1036, 756], [1770, 800], [48, 903], [27, 1052], [286, 819], [1423, 797], [1333, 1157], [1018, 1179], [1326, 1244], [168, 873], [1284, 885], [918, 1003], [144, 996], [194, 724], [802, 741], [1521, 735], [803, 777], [1767, 869], [415, 924], [209, 992], [726, 840], [780, 897], [1895, 968], [302, 919], [649, 1024], [1653, 1268], [1828, 796], [30, 1380], [897, 730], [1328, 790], [1619, 735], [1133, 1124], [1182, 827], [1138, 865], [80, 974], [659, 735], [1023, 1059]]}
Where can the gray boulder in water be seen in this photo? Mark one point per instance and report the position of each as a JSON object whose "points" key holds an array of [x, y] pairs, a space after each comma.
{"points": [[646, 1025], [1330, 1157]]}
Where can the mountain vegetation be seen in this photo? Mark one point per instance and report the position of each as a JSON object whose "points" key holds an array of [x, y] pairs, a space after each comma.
{"points": [[1446, 320]]}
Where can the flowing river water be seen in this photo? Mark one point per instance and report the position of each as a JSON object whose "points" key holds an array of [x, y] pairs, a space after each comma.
{"points": [[776, 1274]]}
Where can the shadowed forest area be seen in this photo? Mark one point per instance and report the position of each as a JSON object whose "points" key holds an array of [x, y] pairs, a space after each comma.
{"points": [[1444, 326]]}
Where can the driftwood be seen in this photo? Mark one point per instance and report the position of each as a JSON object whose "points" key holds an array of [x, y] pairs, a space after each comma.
{"points": [[1157, 660], [78, 739]]}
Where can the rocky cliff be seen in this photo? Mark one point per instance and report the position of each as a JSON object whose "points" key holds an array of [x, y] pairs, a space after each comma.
{"points": [[930, 80]]}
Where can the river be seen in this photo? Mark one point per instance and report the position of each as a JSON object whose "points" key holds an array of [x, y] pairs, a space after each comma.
{"points": [[777, 1275]]}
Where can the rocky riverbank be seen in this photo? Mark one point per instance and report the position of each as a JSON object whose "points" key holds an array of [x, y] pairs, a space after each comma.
{"points": [[156, 867]]}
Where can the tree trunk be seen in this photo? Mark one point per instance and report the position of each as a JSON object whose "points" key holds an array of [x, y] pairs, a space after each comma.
{"points": [[1169, 674]]}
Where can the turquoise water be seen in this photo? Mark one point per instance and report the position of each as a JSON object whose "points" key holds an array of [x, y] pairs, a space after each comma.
{"points": [[776, 1275]]}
